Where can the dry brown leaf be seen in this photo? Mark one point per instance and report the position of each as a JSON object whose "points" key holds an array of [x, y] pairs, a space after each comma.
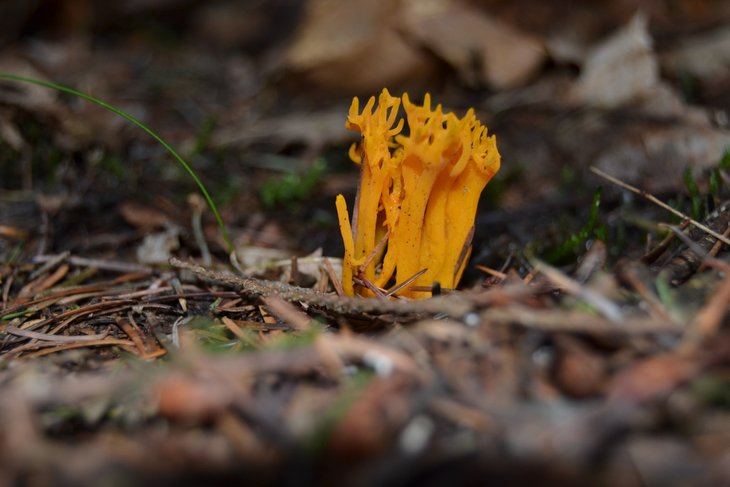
{"points": [[373, 419], [142, 216], [185, 398], [621, 69], [156, 248], [480, 49], [579, 371], [652, 378], [705, 56], [354, 47], [287, 313]]}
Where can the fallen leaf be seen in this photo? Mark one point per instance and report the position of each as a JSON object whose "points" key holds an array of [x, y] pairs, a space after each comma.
{"points": [[579, 371], [184, 398], [480, 48], [354, 47], [142, 216], [156, 248], [652, 378], [373, 419], [620, 69]]}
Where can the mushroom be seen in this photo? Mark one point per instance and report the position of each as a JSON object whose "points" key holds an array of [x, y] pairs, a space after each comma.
{"points": [[413, 219]]}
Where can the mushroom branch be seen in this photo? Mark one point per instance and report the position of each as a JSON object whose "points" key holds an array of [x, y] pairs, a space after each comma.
{"points": [[413, 219]]}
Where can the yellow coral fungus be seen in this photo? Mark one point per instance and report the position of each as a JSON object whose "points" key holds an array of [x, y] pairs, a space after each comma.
{"points": [[413, 219]]}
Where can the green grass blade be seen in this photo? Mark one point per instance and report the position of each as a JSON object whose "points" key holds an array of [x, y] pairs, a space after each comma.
{"points": [[150, 132]]}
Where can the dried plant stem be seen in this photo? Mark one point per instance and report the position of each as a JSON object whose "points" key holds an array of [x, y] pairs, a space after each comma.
{"points": [[660, 203], [606, 307]]}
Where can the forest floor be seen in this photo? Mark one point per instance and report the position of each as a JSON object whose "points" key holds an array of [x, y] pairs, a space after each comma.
{"points": [[589, 340]]}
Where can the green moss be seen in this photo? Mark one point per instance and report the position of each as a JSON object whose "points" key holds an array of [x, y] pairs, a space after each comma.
{"points": [[574, 244], [292, 188], [695, 197], [304, 338]]}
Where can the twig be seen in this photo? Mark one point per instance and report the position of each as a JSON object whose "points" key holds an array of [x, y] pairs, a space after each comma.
{"points": [[106, 342], [52, 338], [660, 203], [714, 250], [106, 265], [376, 250], [453, 305], [333, 277], [651, 256], [559, 320], [48, 264], [606, 307], [97, 309], [492, 272], [406, 283], [287, 313], [235, 329]]}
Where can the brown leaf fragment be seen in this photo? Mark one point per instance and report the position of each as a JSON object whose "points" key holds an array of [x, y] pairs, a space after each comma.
{"points": [[184, 398], [353, 47], [157, 247], [106, 342], [14, 233], [244, 440], [287, 312], [480, 49], [652, 378], [620, 69], [50, 337], [578, 371], [373, 420], [142, 216]]}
